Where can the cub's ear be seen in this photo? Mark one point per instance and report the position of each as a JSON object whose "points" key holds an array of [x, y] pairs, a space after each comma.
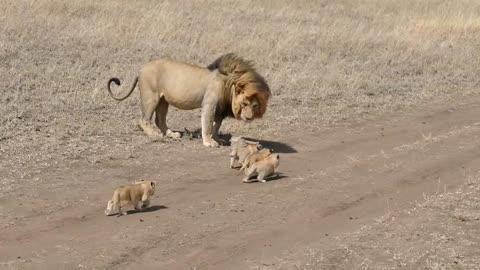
{"points": [[152, 184]]}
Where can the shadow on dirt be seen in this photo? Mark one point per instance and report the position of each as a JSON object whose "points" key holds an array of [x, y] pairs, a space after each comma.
{"points": [[276, 147], [277, 177], [152, 208], [272, 178]]}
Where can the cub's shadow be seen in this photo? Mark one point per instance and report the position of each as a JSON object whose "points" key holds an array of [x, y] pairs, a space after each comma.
{"points": [[277, 147], [152, 208], [276, 177], [271, 178]]}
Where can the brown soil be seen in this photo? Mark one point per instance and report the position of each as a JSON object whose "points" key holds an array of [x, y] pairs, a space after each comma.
{"points": [[204, 217]]}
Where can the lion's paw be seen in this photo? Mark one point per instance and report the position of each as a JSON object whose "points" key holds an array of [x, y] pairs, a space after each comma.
{"points": [[173, 135], [211, 143]]}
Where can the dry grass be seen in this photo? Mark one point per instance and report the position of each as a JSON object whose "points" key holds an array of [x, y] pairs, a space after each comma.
{"points": [[441, 232]]}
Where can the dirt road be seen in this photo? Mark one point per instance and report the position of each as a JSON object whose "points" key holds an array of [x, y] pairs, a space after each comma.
{"points": [[204, 217]]}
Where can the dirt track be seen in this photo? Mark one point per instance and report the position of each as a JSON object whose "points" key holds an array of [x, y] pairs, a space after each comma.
{"points": [[205, 218]]}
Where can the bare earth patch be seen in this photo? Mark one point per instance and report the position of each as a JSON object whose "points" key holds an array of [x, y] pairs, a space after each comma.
{"points": [[440, 232]]}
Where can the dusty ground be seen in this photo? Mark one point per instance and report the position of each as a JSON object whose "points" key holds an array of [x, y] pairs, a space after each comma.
{"points": [[374, 111]]}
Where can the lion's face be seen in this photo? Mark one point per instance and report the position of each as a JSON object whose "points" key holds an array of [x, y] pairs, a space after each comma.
{"points": [[249, 109], [246, 108]]}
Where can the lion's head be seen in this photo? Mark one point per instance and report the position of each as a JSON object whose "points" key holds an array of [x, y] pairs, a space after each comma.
{"points": [[248, 91]]}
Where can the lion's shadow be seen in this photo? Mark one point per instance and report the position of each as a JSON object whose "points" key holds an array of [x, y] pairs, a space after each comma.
{"points": [[277, 147]]}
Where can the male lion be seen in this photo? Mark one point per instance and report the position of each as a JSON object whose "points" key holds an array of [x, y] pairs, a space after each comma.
{"points": [[229, 87]]}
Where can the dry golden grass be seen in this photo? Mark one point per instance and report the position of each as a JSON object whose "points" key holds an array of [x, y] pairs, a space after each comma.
{"points": [[324, 59]]}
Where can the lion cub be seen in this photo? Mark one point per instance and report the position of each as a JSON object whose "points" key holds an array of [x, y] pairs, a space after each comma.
{"points": [[256, 156], [138, 195], [241, 148], [263, 168]]}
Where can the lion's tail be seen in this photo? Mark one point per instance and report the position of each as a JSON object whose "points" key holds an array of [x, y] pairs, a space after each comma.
{"points": [[117, 82]]}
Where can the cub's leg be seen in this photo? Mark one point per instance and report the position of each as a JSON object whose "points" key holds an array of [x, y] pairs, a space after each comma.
{"points": [[145, 204], [208, 113], [246, 164], [250, 172], [233, 158], [121, 207], [161, 119], [261, 177], [149, 101], [121, 211], [137, 206], [117, 205]]}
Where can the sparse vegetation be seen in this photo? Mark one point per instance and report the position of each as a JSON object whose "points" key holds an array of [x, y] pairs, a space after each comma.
{"points": [[441, 232], [326, 61]]}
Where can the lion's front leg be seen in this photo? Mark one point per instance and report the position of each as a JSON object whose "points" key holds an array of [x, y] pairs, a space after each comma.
{"points": [[208, 114], [216, 128]]}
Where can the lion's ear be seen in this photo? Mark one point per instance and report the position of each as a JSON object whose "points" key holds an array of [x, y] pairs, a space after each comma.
{"points": [[239, 87]]}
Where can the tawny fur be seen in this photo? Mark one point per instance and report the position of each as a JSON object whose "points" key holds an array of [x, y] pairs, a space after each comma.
{"points": [[241, 148], [242, 76], [230, 87], [256, 156], [137, 195], [262, 169]]}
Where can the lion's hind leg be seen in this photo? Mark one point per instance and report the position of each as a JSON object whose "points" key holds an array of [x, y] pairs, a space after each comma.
{"points": [[161, 119], [150, 101]]}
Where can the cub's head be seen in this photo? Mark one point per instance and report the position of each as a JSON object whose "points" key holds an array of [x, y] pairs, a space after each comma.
{"points": [[250, 98], [275, 158], [265, 152], [251, 146], [148, 185]]}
